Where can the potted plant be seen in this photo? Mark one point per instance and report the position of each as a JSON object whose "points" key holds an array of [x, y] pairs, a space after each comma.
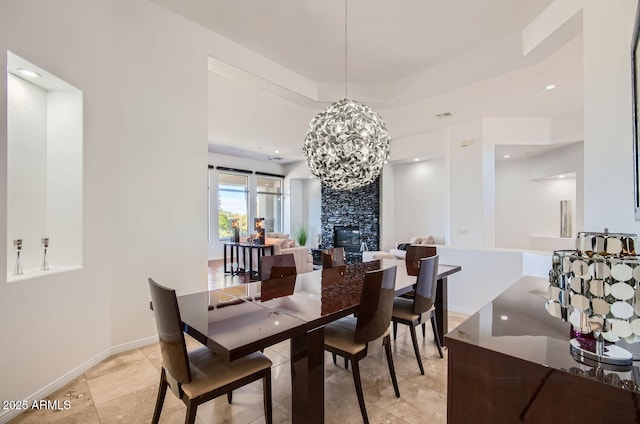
{"points": [[302, 235]]}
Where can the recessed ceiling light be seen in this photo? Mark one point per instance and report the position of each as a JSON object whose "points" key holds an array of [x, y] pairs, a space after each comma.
{"points": [[416, 159], [561, 176], [504, 317], [28, 73], [506, 156], [276, 151], [550, 87], [386, 162]]}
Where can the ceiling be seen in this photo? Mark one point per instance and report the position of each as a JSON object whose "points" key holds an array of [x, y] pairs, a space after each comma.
{"points": [[465, 57], [387, 40]]}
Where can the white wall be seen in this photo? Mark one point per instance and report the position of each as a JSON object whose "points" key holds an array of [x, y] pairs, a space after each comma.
{"points": [[27, 172], [467, 179], [59, 324], [608, 153], [311, 209], [143, 72], [159, 161], [420, 205], [297, 213], [64, 178], [486, 273], [387, 208], [467, 205], [523, 191]]}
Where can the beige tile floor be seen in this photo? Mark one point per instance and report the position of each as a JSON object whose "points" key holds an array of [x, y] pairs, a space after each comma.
{"points": [[123, 388]]}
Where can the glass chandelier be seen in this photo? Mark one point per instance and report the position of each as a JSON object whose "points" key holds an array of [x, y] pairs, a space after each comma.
{"points": [[346, 144]]}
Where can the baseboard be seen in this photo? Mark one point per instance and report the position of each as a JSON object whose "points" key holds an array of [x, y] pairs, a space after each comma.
{"points": [[6, 416], [136, 344], [461, 310]]}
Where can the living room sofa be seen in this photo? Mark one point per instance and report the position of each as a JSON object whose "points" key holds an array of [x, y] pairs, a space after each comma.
{"points": [[282, 245], [398, 252]]}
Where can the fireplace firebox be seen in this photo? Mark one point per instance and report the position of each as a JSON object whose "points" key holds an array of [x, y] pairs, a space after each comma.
{"points": [[347, 237]]}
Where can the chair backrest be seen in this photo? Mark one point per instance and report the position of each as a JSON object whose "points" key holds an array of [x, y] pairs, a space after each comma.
{"points": [[414, 254], [277, 266], [376, 304], [172, 347], [277, 287], [333, 276], [332, 258], [426, 285]]}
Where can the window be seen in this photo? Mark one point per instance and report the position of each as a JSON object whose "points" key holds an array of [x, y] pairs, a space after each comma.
{"points": [[269, 203], [243, 196], [233, 196]]}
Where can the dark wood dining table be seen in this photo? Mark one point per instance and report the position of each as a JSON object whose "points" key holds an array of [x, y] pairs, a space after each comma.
{"points": [[238, 320]]}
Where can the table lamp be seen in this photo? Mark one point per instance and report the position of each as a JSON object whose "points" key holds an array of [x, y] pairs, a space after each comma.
{"points": [[259, 226], [596, 287], [235, 229]]}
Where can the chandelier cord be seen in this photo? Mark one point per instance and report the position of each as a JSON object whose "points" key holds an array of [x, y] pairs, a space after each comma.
{"points": [[345, 50]]}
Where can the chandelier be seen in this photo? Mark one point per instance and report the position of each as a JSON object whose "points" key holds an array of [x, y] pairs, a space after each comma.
{"points": [[347, 143]]}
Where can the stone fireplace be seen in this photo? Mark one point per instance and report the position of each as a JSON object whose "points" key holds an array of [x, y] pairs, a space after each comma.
{"points": [[359, 210]]}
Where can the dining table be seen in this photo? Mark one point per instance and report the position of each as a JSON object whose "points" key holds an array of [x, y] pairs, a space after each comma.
{"points": [[238, 320]]}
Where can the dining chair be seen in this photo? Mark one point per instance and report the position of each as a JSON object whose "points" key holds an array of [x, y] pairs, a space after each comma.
{"points": [[414, 254], [349, 337], [277, 266], [198, 376], [412, 312], [333, 257], [276, 287]]}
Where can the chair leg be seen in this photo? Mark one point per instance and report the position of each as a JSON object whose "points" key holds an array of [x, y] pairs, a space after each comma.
{"points": [[230, 397], [392, 370], [358, 383], [335, 359], [414, 339], [266, 388], [436, 335], [192, 408], [424, 330], [162, 391], [346, 363], [395, 330]]}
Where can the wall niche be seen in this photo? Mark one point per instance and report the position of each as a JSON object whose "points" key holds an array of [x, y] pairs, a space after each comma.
{"points": [[44, 170]]}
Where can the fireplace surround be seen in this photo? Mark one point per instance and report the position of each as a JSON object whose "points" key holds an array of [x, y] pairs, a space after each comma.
{"points": [[359, 208]]}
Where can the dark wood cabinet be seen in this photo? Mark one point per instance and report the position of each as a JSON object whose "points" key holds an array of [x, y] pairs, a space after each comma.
{"points": [[511, 363]]}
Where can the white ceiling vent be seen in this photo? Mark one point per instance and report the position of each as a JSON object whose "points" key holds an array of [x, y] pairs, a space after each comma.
{"points": [[275, 158], [444, 115]]}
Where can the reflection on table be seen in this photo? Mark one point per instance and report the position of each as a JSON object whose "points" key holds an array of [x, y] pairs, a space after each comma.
{"points": [[240, 258]]}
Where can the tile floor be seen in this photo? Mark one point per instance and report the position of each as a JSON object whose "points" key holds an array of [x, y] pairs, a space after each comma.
{"points": [[123, 388]]}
